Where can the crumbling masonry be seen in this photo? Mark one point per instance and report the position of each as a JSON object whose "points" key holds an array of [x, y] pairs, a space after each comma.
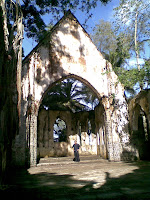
{"points": [[67, 51]]}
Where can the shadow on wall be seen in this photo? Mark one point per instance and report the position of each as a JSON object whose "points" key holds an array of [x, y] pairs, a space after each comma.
{"points": [[57, 50], [52, 186]]}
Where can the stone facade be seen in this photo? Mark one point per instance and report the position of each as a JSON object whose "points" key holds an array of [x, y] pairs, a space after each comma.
{"points": [[67, 51]]}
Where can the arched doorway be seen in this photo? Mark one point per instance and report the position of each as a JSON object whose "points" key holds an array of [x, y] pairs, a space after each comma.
{"points": [[76, 115]]}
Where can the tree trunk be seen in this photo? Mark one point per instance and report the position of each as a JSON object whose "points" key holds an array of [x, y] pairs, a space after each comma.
{"points": [[136, 43], [10, 88], [5, 29]]}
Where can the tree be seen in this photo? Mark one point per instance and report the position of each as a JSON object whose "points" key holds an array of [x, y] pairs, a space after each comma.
{"points": [[69, 94], [133, 17], [11, 35], [104, 37], [124, 38], [34, 10], [114, 46]]}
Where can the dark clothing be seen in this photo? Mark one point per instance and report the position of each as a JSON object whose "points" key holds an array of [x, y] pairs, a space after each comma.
{"points": [[76, 147], [76, 156], [76, 153]]}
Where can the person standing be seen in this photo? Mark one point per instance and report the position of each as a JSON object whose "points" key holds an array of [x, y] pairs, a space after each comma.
{"points": [[76, 147]]}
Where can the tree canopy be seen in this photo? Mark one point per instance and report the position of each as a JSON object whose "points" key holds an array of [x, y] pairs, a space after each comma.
{"points": [[71, 95], [34, 10], [133, 17], [124, 41]]}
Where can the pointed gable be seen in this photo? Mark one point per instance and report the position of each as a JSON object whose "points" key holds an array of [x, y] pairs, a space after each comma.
{"points": [[68, 24]]}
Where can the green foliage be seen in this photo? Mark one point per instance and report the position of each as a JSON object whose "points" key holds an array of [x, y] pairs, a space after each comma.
{"points": [[132, 16], [104, 37], [69, 94], [34, 10], [125, 38], [114, 47], [134, 78]]}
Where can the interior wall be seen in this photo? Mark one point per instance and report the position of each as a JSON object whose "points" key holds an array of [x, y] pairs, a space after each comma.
{"points": [[77, 129]]}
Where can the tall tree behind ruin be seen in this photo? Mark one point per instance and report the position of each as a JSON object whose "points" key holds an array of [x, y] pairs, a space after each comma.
{"points": [[134, 17], [125, 39], [115, 47]]}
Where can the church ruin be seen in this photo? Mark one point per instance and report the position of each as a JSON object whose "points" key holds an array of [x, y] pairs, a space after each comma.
{"points": [[68, 52]]}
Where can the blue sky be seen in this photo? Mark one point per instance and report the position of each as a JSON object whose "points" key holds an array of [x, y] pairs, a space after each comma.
{"points": [[100, 12]]}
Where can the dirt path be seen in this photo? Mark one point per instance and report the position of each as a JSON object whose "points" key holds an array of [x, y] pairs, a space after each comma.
{"points": [[92, 178]]}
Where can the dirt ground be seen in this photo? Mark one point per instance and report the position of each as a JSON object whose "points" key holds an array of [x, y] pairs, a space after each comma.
{"points": [[92, 178]]}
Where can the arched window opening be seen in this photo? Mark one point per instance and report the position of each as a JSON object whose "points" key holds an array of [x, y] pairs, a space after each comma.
{"points": [[60, 131], [89, 132]]}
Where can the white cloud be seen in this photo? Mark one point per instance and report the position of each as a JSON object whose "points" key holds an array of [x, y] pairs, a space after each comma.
{"points": [[133, 61]]}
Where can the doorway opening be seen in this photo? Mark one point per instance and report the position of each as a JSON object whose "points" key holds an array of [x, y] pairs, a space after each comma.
{"points": [[71, 109]]}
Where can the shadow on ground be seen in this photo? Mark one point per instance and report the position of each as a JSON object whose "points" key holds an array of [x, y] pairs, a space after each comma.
{"points": [[23, 185]]}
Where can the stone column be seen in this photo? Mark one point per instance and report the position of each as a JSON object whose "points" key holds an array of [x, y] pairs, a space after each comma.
{"points": [[108, 128], [32, 131], [33, 140], [108, 131]]}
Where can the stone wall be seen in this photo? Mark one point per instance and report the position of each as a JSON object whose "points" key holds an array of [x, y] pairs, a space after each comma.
{"points": [[46, 144], [139, 112], [101, 131]]}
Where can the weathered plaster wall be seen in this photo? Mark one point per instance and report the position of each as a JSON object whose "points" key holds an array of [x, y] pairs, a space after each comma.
{"points": [[46, 144], [100, 130]]}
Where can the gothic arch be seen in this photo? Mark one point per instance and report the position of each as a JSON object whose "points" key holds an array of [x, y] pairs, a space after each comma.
{"points": [[82, 80]]}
